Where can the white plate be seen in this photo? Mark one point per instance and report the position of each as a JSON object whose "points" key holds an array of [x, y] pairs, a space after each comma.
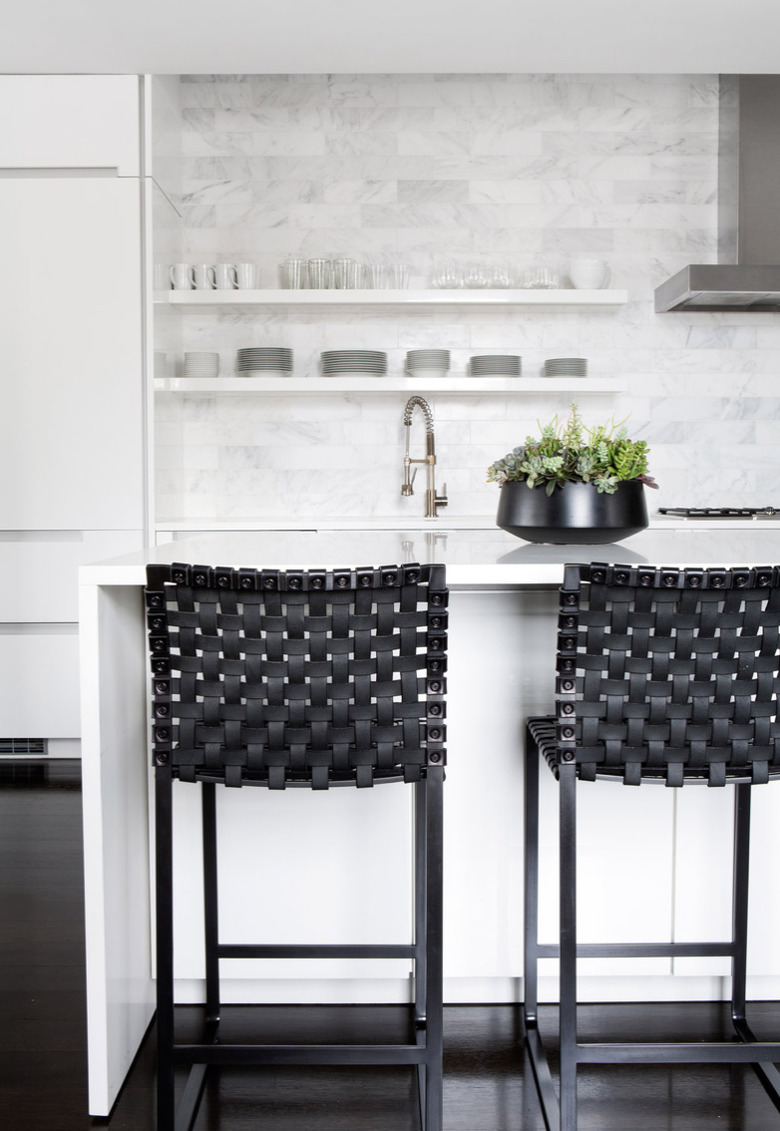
{"points": [[264, 373]]}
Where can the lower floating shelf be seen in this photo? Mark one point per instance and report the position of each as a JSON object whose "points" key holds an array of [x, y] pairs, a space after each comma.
{"points": [[466, 386]]}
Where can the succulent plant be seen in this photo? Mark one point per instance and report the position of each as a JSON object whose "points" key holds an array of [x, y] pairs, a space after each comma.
{"points": [[568, 451]]}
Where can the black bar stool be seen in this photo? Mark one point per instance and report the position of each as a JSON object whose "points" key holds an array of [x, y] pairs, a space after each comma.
{"points": [[669, 675], [309, 679]]}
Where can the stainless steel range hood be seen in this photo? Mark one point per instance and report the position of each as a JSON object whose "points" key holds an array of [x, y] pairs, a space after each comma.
{"points": [[747, 274]]}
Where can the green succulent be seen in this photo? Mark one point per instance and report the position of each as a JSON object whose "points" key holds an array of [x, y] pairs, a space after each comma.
{"points": [[568, 451]]}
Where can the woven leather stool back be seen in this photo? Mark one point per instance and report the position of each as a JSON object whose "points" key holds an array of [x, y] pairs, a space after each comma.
{"points": [[669, 673], [297, 678]]}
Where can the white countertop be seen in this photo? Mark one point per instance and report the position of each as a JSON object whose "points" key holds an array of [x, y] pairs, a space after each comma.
{"points": [[480, 558], [444, 522]]}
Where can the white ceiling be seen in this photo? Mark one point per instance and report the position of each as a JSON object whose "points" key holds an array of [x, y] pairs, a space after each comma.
{"points": [[397, 36]]}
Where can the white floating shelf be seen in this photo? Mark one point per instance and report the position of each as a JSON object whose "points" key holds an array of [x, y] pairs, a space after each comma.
{"points": [[408, 298], [468, 386]]}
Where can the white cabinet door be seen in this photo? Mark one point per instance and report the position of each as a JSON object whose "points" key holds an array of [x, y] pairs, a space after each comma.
{"points": [[70, 121], [39, 680], [39, 570], [71, 428]]}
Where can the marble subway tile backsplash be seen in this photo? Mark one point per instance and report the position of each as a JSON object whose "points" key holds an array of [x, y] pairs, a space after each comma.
{"points": [[529, 170]]}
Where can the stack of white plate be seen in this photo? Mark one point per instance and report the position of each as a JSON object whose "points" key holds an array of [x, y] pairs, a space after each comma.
{"points": [[201, 364], [566, 367], [264, 361], [363, 363], [496, 365], [427, 363]]}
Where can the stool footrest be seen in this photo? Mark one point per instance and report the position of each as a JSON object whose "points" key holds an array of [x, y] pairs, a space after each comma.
{"points": [[691, 1052], [235, 1054], [317, 950], [642, 950]]}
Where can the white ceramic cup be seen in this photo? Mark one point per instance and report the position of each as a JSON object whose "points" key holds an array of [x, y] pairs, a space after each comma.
{"points": [[182, 276], [247, 275], [204, 277], [225, 277], [588, 274]]}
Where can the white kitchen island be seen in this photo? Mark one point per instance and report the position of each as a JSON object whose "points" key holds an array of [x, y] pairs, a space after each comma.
{"points": [[501, 650]]}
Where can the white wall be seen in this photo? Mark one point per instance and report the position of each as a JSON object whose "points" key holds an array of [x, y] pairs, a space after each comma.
{"points": [[533, 169]]}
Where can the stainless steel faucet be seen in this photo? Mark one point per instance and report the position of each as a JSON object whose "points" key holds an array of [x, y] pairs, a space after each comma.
{"points": [[432, 500]]}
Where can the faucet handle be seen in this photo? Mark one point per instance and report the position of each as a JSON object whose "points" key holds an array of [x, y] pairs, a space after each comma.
{"points": [[407, 487], [441, 500]]}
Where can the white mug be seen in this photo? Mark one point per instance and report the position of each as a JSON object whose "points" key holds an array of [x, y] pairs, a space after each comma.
{"points": [[182, 277], [247, 276], [225, 278], [588, 274], [204, 277]]}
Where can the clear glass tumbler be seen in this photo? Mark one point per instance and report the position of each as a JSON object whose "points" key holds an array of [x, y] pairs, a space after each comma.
{"points": [[320, 274], [347, 274], [294, 274]]}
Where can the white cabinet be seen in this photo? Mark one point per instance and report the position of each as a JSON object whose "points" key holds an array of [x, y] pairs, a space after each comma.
{"points": [[39, 570], [39, 677], [71, 437], [72, 449], [70, 121]]}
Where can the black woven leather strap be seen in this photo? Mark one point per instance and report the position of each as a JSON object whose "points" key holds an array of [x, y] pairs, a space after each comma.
{"points": [[298, 677], [669, 673]]}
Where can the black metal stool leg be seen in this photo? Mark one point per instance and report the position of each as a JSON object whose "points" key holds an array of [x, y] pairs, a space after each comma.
{"points": [[568, 946], [210, 899], [739, 918], [536, 1053], [434, 1010], [421, 933], [766, 1072], [164, 938], [531, 892], [196, 1081]]}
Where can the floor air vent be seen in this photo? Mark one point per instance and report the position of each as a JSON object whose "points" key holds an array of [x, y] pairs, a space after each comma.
{"points": [[23, 747]]}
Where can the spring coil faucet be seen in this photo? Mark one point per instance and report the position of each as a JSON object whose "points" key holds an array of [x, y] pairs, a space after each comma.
{"points": [[432, 500]]}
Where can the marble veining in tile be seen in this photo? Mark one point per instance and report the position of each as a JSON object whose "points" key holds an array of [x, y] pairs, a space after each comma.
{"points": [[530, 169]]}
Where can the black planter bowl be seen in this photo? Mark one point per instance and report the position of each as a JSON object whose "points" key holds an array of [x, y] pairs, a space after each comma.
{"points": [[574, 515]]}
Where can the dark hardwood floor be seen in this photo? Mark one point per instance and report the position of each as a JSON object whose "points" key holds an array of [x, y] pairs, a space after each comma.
{"points": [[487, 1084]]}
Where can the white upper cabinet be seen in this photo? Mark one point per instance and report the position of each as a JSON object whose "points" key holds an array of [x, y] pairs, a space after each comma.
{"points": [[71, 346], [70, 121]]}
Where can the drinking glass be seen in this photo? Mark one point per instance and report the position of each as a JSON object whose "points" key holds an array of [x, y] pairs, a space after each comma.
{"points": [[346, 273], [399, 276], [294, 274], [476, 276], [541, 279], [319, 273], [376, 274]]}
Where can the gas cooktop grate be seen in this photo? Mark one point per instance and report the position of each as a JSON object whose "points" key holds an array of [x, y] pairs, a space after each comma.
{"points": [[720, 512]]}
